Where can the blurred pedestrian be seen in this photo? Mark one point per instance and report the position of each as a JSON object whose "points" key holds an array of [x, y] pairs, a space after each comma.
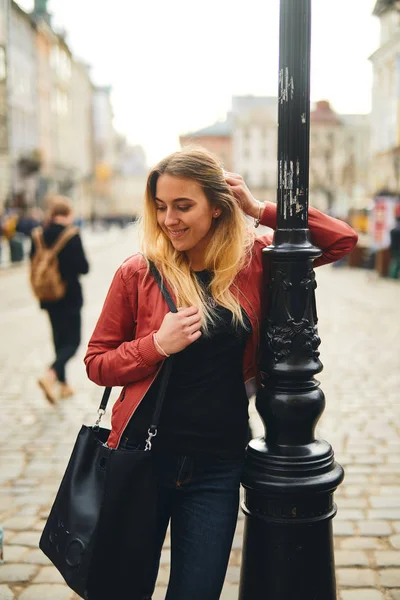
{"points": [[58, 258], [195, 231], [394, 265]]}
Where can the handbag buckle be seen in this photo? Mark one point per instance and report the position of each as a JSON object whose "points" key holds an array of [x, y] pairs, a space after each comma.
{"points": [[152, 433], [100, 412]]}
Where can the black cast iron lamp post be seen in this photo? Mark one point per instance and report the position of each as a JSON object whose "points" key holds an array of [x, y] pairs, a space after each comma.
{"points": [[290, 476]]}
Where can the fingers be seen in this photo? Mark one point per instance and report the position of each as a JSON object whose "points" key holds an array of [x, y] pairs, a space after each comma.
{"points": [[233, 176], [195, 336], [188, 311], [189, 331], [195, 320]]}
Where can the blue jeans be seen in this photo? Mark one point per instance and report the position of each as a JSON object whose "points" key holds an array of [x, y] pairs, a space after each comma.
{"points": [[199, 496]]}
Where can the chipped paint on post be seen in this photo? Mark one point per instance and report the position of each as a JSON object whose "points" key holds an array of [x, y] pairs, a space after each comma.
{"points": [[286, 86], [288, 174]]}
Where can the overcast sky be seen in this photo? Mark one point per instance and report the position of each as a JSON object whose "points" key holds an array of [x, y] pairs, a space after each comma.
{"points": [[175, 65]]}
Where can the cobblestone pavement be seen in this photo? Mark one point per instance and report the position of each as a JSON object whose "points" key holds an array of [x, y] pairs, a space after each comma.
{"points": [[360, 331]]}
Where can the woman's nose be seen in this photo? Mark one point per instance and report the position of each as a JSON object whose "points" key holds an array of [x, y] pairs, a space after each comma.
{"points": [[171, 218]]}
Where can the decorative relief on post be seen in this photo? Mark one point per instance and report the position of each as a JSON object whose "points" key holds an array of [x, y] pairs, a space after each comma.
{"points": [[281, 337]]}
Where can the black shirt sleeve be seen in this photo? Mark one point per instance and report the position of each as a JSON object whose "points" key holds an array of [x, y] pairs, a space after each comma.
{"points": [[72, 258]]}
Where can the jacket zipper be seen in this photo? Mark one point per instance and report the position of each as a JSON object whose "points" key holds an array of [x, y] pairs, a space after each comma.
{"points": [[137, 405]]}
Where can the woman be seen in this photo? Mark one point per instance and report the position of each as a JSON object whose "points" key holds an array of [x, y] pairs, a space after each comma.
{"points": [[195, 231]]}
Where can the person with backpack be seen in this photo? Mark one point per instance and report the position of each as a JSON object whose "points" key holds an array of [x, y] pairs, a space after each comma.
{"points": [[57, 260]]}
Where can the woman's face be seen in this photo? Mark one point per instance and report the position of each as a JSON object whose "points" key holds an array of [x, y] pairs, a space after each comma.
{"points": [[185, 215]]}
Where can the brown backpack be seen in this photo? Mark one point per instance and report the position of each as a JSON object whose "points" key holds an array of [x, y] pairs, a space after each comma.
{"points": [[46, 281]]}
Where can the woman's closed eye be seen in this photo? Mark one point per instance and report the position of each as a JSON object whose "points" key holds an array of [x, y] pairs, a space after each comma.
{"points": [[181, 208]]}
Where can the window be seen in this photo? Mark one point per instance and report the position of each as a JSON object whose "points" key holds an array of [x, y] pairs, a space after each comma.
{"points": [[60, 62], [3, 68], [59, 102]]}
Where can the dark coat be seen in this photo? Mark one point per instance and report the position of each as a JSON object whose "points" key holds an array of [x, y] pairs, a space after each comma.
{"points": [[72, 262]]}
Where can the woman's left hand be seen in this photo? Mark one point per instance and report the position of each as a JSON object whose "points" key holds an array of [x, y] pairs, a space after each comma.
{"points": [[246, 200]]}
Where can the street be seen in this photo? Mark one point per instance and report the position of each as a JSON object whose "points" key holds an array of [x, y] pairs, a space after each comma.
{"points": [[360, 330]]}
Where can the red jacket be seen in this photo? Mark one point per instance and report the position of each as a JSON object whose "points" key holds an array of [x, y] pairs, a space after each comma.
{"points": [[121, 351]]}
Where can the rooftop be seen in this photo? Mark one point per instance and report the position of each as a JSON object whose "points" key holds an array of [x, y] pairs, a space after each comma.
{"points": [[218, 129], [382, 6]]}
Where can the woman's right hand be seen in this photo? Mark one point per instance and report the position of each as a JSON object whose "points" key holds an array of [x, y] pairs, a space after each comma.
{"points": [[179, 330]]}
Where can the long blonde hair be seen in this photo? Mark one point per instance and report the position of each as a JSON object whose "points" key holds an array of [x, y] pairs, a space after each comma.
{"points": [[230, 245]]}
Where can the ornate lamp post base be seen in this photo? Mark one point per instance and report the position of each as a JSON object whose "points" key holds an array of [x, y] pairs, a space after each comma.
{"points": [[288, 547]]}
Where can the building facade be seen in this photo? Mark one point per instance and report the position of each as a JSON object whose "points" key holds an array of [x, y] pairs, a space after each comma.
{"points": [[216, 138], [23, 130], [385, 118], [254, 143], [5, 168], [339, 160]]}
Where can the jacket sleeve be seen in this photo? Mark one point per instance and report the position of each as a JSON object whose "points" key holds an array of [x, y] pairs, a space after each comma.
{"points": [[114, 356], [335, 238]]}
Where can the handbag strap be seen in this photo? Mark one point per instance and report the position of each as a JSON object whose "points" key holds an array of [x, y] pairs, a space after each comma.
{"points": [[165, 373]]}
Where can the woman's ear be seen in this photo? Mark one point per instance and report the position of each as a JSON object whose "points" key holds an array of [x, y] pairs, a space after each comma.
{"points": [[216, 213]]}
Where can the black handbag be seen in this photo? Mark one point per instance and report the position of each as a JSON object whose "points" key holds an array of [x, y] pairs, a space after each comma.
{"points": [[100, 530]]}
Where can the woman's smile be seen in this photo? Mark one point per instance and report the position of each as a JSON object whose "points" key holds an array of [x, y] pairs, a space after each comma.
{"points": [[177, 233]]}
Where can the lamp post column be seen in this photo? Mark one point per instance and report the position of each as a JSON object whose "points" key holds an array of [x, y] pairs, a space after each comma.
{"points": [[290, 476]]}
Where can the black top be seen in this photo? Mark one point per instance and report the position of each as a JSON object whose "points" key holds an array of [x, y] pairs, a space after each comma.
{"points": [[205, 407], [395, 239], [72, 262]]}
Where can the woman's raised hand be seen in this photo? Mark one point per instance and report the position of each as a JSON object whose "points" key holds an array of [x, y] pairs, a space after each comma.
{"points": [[245, 198], [179, 330]]}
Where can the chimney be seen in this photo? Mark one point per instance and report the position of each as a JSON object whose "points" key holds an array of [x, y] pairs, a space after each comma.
{"points": [[40, 11]]}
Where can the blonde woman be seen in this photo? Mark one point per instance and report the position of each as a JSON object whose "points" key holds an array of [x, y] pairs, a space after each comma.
{"points": [[195, 231]]}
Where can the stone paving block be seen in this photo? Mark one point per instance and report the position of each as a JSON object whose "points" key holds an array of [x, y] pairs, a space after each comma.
{"points": [[46, 592], [6, 502], [384, 558], [395, 541], [353, 491], [362, 594], [392, 501], [369, 459], [394, 594], [356, 577], [6, 593], [19, 523], [15, 573], [389, 490], [362, 543], [343, 528], [48, 575], [389, 578], [351, 503], [233, 574], [163, 576], [14, 553], [27, 511], [389, 514], [375, 528], [351, 558], [349, 514], [229, 592], [26, 538], [36, 557], [165, 556]]}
